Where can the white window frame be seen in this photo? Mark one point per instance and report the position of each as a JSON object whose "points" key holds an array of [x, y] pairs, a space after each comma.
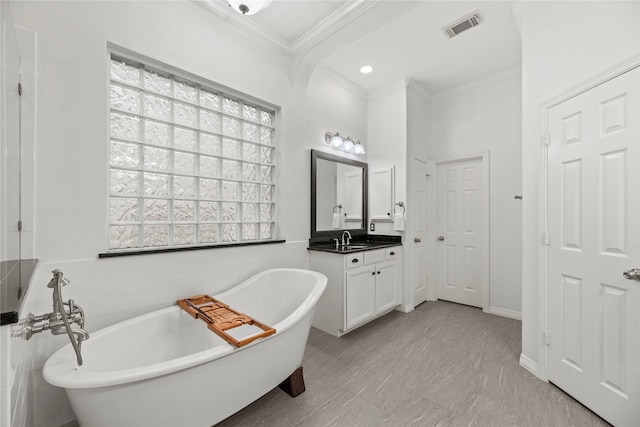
{"points": [[126, 209]]}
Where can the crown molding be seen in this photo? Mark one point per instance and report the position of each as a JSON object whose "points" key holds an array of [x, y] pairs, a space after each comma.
{"points": [[250, 28], [419, 89], [340, 18], [397, 86], [344, 82], [488, 79], [518, 9]]}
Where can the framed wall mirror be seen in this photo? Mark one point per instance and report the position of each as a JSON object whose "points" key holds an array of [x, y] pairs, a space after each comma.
{"points": [[338, 195]]}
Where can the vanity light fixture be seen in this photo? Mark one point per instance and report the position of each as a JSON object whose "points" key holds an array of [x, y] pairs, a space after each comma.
{"points": [[248, 7], [336, 141], [349, 146]]}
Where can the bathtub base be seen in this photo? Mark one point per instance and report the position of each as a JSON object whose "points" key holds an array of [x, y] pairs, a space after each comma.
{"points": [[294, 384]]}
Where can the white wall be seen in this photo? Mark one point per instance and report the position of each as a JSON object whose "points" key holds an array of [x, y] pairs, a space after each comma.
{"points": [[337, 107], [473, 119], [563, 44], [71, 159], [387, 138], [418, 120]]}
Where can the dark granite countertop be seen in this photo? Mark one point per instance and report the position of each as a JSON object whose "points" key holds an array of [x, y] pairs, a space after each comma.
{"points": [[15, 276], [359, 243]]}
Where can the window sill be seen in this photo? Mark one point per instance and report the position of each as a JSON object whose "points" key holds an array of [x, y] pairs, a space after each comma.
{"points": [[123, 252]]}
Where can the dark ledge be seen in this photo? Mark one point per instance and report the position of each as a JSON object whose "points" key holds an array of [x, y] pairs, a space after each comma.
{"points": [[125, 252], [15, 278]]}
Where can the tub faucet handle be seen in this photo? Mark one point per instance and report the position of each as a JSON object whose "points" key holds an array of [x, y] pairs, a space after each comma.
{"points": [[59, 320]]}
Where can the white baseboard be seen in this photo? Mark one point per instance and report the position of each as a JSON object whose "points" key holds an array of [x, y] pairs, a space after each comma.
{"points": [[528, 364], [71, 423], [505, 313], [405, 308]]}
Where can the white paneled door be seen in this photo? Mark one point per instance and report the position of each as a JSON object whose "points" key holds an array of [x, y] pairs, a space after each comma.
{"points": [[420, 232], [459, 233], [593, 311]]}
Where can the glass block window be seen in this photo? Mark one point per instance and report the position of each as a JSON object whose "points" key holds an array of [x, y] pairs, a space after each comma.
{"points": [[189, 164]]}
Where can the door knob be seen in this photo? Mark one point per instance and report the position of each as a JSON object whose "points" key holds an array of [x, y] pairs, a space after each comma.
{"points": [[633, 274], [417, 240], [441, 238]]}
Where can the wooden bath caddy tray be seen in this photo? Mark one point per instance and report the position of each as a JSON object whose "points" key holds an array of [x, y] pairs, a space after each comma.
{"points": [[233, 327]]}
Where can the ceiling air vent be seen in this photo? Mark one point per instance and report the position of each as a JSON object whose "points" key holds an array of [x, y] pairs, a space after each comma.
{"points": [[462, 24]]}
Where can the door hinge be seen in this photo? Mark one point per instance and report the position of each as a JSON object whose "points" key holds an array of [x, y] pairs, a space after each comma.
{"points": [[20, 89], [547, 338], [19, 225], [546, 238], [546, 139]]}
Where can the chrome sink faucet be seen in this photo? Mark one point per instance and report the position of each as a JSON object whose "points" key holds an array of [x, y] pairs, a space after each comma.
{"points": [[345, 241], [59, 320]]}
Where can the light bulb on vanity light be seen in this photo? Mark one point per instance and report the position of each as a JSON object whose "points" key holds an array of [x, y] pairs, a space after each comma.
{"points": [[336, 140], [348, 145]]}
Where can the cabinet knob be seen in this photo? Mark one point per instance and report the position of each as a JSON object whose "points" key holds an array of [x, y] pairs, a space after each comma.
{"points": [[378, 272], [392, 253], [373, 273], [355, 260]]}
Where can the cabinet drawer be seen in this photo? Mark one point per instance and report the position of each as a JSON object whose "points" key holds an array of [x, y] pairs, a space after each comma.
{"points": [[373, 257], [392, 253], [355, 260]]}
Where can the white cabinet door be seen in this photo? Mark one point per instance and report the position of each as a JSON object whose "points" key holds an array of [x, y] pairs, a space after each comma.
{"points": [[594, 235], [360, 296], [381, 194], [386, 287]]}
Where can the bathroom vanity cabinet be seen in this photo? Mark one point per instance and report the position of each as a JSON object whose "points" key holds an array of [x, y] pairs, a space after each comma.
{"points": [[361, 287]]}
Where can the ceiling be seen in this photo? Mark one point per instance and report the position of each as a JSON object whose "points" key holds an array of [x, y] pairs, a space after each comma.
{"points": [[397, 38]]}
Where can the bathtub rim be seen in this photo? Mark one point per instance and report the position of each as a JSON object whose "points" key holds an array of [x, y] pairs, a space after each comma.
{"points": [[61, 370]]}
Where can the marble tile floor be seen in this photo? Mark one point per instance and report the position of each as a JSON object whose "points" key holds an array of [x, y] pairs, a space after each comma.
{"points": [[443, 364]]}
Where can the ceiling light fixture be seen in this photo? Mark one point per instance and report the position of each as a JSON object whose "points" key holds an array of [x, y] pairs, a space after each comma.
{"points": [[248, 7], [337, 142], [366, 69]]}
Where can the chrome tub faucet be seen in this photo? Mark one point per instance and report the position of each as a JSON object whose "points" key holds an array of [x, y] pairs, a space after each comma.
{"points": [[59, 321]]}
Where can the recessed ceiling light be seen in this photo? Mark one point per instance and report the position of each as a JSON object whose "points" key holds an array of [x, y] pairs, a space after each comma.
{"points": [[366, 69]]}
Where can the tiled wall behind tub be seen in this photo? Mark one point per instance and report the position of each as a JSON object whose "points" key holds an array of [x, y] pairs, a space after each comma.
{"points": [[115, 289], [22, 361], [17, 169]]}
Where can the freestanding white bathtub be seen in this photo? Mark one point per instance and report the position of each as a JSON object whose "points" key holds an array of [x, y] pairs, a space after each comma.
{"points": [[166, 368]]}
